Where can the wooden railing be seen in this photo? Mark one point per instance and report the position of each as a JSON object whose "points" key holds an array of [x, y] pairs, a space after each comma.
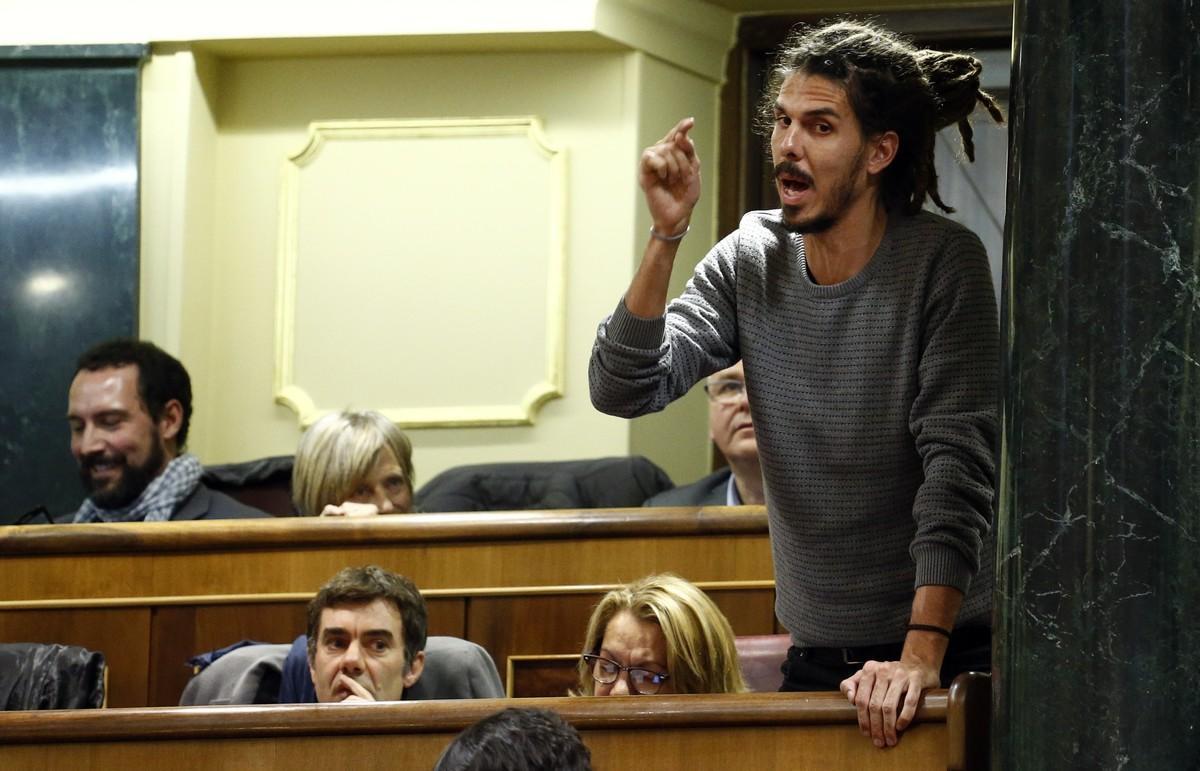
{"points": [[150, 595], [795, 731]]}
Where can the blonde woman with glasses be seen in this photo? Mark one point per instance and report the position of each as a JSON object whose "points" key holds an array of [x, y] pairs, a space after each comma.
{"points": [[353, 464], [658, 635]]}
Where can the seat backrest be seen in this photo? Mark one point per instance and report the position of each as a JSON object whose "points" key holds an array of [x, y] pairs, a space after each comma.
{"points": [[454, 669], [246, 675], [264, 484], [574, 484], [761, 657], [50, 676]]}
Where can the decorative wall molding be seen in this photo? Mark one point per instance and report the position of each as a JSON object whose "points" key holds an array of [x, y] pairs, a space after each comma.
{"points": [[487, 411]]}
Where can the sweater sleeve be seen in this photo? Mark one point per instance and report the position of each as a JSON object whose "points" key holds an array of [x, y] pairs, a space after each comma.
{"points": [[953, 418], [641, 365]]}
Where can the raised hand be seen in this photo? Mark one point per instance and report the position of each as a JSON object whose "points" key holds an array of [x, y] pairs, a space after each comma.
{"points": [[669, 173]]}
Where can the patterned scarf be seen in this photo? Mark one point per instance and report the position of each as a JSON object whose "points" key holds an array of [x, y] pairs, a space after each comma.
{"points": [[157, 502]]}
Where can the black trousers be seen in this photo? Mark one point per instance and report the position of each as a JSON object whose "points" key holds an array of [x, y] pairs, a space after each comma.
{"points": [[824, 669]]}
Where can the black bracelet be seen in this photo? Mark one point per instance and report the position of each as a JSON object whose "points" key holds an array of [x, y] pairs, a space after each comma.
{"points": [[929, 628]]}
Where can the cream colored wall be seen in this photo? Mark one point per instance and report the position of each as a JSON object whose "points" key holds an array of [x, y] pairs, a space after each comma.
{"points": [[179, 151], [678, 436], [125, 21], [234, 96], [211, 228], [691, 33]]}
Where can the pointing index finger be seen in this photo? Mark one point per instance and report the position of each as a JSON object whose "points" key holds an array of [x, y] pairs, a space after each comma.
{"points": [[679, 132]]}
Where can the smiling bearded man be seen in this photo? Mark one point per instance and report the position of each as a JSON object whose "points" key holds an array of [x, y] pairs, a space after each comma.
{"points": [[868, 332], [128, 409]]}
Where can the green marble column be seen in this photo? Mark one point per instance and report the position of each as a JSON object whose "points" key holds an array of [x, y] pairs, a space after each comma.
{"points": [[1097, 640], [68, 248]]}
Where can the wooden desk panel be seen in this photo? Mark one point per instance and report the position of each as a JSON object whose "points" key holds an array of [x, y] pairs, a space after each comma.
{"points": [[495, 565], [488, 550], [750, 610], [541, 676], [554, 623], [813, 731], [147, 646], [811, 748], [122, 634], [179, 632], [520, 583]]}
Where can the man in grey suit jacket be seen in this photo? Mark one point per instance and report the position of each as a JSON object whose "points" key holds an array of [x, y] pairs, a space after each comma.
{"points": [[732, 432], [129, 408]]}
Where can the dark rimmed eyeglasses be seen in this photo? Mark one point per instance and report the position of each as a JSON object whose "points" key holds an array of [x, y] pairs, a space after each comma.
{"points": [[643, 681], [724, 391]]}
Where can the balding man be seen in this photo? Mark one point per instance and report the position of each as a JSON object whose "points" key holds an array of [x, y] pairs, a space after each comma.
{"points": [[732, 431]]}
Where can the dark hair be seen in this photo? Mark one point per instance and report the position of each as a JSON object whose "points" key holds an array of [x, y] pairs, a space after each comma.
{"points": [[355, 586], [517, 740], [161, 377], [891, 86]]}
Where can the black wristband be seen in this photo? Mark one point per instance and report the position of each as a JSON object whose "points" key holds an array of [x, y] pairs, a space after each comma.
{"points": [[929, 628]]}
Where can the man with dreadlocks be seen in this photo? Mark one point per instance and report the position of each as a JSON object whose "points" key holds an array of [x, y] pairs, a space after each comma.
{"points": [[869, 335]]}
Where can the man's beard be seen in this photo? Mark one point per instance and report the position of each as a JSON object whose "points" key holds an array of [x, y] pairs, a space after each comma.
{"points": [[841, 193], [132, 481]]}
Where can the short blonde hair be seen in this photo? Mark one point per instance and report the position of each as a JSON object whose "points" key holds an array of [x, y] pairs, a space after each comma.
{"points": [[701, 655], [338, 451]]}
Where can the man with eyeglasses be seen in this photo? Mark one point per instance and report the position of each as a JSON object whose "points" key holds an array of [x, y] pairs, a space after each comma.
{"points": [[732, 431]]}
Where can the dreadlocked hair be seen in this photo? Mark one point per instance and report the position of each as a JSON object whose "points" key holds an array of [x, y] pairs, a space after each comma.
{"points": [[891, 86]]}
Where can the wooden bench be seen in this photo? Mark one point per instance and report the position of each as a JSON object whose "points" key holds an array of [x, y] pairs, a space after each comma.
{"points": [[150, 595], [795, 731]]}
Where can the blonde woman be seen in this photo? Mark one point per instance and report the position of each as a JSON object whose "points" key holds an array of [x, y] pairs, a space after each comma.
{"points": [[353, 464], [655, 636]]}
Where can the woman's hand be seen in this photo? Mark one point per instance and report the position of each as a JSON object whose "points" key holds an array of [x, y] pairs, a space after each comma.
{"points": [[351, 509]]}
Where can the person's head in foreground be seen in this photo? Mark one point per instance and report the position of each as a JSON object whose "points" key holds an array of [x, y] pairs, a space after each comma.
{"points": [[128, 409], [517, 740], [366, 636], [852, 109], [658, 635], [353, 464]]}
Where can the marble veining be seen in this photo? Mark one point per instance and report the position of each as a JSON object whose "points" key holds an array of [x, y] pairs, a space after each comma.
{"points": [[1098, 603], [68, 248]]}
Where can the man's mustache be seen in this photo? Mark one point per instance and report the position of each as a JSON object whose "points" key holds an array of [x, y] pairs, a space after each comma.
{"points": [[793, 171], [89, 462]]}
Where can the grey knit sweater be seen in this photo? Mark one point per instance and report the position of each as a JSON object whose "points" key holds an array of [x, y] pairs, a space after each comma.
{"points": [[874, 403]]}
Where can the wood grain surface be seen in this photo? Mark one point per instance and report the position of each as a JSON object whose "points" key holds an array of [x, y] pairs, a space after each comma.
{"points": [[813, 731]]}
